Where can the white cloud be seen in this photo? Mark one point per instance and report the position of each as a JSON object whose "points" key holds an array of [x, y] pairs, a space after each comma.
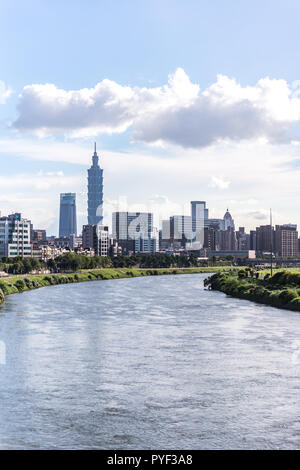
{"points": [[218, 182], [106, 108], [177, 113], [5, 92]]}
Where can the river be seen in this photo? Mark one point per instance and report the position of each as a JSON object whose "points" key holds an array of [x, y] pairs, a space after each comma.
{"points": [[147, 363]]}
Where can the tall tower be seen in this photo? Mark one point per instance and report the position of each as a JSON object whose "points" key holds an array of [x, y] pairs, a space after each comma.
{"points": [[67, 215], [228, 220], [95, 192]]}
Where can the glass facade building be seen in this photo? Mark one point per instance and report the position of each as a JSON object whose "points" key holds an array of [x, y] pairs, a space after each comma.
{"points": [[134, 231], [67, 215], [95, 192]]}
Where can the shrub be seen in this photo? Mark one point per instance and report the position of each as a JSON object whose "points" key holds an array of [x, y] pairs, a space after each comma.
{"points": [[28, 282], [287, 295], [242, 273], [2, 296], [4, 287], [295, 304], [20, 284], [48, 279]]}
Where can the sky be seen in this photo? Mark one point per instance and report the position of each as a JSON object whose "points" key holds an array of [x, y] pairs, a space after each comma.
{"points": [[194, 100]]}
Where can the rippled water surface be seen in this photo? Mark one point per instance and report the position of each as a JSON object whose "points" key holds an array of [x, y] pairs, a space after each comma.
{"points": [[144, 363]]}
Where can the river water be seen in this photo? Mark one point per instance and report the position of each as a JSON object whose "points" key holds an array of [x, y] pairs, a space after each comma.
{"points": [[147, 363]]}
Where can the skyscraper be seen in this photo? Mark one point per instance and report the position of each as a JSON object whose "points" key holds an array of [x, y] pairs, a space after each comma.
{"points": [[134, 231], [199, 213], [228, 220], [286, 240], [67, 216], [95, 192]]}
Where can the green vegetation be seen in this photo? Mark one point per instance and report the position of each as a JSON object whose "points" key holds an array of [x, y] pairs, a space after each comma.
{"points": [[19, 283], [73, 262], [281, 290]]}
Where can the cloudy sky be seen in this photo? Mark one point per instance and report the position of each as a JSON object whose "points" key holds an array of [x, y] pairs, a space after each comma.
{"points": [[186, 100]]}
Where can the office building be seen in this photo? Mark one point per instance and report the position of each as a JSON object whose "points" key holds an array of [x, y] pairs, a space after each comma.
{"points": [[95, 192], [165, 242], [243, 239], [67, 216], [253, 240], [199, 213], [96, 237], [181, 231], [134, 231], [286, 240], [228, 220], [228, 241], [210, 238], [265, 238], [15, 236]]}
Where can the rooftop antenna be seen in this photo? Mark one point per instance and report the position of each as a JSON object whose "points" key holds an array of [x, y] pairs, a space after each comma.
{"points": [[95, 147]]}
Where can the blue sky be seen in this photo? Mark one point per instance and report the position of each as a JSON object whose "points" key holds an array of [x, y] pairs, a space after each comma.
{"points": [[242, 154]]}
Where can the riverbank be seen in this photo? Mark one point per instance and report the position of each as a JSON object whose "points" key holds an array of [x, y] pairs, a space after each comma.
{"points": [[282, 290], [21, 283]]}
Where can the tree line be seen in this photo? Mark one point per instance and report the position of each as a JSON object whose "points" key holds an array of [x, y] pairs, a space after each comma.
{"points": [[74, 262]]}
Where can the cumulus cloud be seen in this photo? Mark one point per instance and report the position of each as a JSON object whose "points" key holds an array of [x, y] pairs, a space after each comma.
{"points": [[106, 108], [5, 92], [218, 182], [178, 112]]}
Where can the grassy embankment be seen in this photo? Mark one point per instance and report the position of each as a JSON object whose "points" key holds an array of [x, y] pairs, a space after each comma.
{"points": [[281, 290], [21, 283]]}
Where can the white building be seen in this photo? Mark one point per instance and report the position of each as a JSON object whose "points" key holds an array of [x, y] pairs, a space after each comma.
{"points": [[15, 236], [96, 237]]}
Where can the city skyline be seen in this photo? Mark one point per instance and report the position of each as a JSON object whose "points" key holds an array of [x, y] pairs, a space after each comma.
{"points": [[95, 208], [175, 120]]}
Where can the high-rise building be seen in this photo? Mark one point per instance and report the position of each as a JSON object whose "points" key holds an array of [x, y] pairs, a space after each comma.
{"points": [[243, 239], [228, 241], [15, 236], [165, 241], [67, 217], [228, 220], [210, 238], [253, 240], [96, 237], [95, 192], [181, 230], [286, 240], [265, 238], [199, 213], [134, 231]]}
